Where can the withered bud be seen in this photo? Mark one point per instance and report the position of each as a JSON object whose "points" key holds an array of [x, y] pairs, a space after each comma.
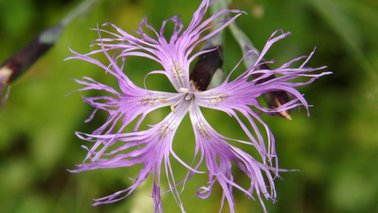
{"points": [[275, 99], [18, 63], [207, 64], [21, 61]]}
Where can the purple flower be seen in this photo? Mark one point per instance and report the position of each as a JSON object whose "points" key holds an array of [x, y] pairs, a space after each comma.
{"points": [[152, 148]]}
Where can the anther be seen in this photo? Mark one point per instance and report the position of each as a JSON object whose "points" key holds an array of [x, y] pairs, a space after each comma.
{"points": [[184, 90]]}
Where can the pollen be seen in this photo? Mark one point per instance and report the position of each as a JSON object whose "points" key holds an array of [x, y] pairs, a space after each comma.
{"points": [[152, 101], [166, 128], [216, 99], [202, 129], [177, 70]]}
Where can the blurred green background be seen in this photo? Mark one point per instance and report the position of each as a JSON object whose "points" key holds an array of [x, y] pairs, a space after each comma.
{"points": [[336, 149]]}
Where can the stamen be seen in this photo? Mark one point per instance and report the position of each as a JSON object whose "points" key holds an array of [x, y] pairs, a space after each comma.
{"points": [[189, 97], [173, 108]]}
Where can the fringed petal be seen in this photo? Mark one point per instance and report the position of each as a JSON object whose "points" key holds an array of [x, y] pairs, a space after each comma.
{"points": [[151, 148], [220, 156]]}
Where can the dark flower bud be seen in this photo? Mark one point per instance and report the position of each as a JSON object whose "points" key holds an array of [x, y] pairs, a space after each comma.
{"points": [[207, 64], [277, 98]]}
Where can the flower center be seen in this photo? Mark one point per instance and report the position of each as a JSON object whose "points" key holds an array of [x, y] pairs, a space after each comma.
{"points": [[188, 95]]}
